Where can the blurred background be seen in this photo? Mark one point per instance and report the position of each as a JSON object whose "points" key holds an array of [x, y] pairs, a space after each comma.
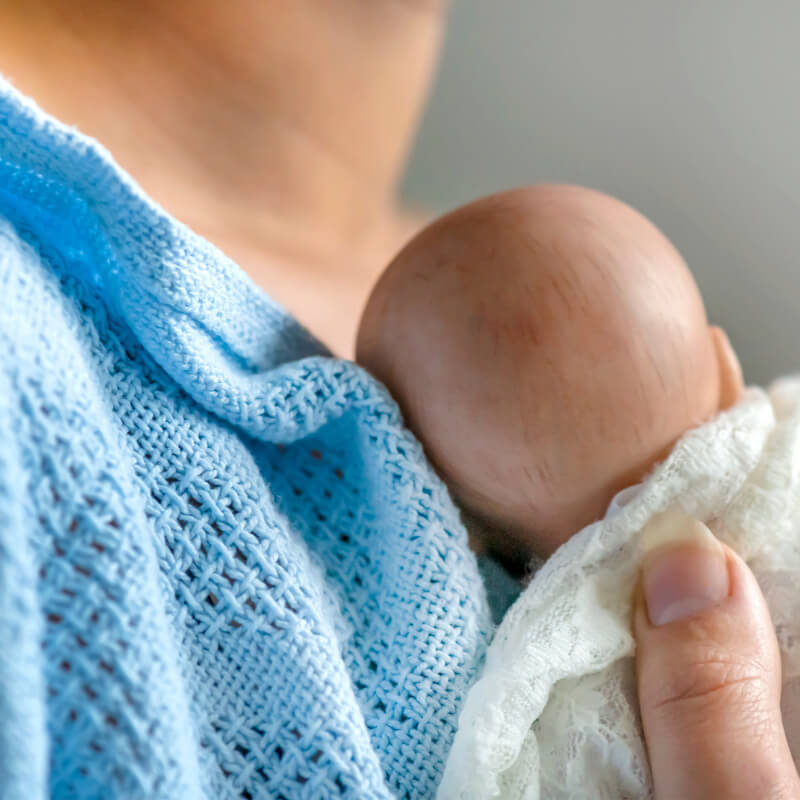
{"points": [[689, 110]]}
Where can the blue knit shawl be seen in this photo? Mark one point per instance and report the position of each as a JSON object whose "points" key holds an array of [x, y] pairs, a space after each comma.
{"points": [[226, 570]]}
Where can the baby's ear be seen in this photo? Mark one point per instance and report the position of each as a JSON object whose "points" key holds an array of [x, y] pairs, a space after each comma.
{"points": [[731, 382]]}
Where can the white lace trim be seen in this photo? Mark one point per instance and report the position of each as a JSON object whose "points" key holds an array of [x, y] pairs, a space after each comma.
{"points": [[554, 714]]}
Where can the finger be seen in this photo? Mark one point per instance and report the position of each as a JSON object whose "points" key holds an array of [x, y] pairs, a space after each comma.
{"points": [[708, 670]]}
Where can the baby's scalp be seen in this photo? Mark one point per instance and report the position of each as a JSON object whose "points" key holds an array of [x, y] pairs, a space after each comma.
{"points": [[547, 345]]}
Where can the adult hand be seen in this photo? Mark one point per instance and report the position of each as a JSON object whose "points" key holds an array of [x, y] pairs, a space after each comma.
{"points": [[709, 672]]}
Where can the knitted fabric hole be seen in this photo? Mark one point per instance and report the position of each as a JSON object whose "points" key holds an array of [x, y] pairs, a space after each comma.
{"points": [[220, 615], [213, 549]]}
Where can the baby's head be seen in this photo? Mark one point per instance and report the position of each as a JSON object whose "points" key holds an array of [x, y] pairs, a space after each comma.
{"points": [[548, 346]]}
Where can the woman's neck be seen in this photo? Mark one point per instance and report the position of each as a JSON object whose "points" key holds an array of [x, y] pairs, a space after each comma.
{"points": [[280, 123], [275, 129]]}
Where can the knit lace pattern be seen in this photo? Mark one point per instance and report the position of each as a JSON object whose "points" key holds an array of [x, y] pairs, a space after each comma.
{"points": [[226, 568]]}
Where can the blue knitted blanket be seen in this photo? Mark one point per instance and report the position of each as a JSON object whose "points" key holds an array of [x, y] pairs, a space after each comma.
{"points": [[226, 570]]}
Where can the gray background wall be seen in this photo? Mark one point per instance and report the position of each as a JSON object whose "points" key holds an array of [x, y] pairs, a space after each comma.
{"points": [[687, 109]]}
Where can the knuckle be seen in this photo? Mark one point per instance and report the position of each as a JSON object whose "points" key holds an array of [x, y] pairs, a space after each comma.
{"points": [[720, 713], [713, 681]]}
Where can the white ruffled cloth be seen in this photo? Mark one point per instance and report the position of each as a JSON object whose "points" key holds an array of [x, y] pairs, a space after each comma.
{"points": [[554, 714]]}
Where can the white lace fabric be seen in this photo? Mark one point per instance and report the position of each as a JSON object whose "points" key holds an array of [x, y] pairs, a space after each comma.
{"points": [[554, 714]]}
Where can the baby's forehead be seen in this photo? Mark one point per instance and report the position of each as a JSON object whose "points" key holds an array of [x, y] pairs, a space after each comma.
{"points": [[508, 243], [531, 291], [512, 290], [513, 287]]}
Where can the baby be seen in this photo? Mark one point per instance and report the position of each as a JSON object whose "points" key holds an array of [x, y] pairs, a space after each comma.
{"points": [[550, 348]]}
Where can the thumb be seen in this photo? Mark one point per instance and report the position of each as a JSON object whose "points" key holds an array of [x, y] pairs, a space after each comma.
{"points": [[708, 670]]}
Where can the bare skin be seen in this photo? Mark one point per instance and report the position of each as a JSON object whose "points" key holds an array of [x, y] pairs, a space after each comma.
{"points": [[277, 131], [548, 345]]}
